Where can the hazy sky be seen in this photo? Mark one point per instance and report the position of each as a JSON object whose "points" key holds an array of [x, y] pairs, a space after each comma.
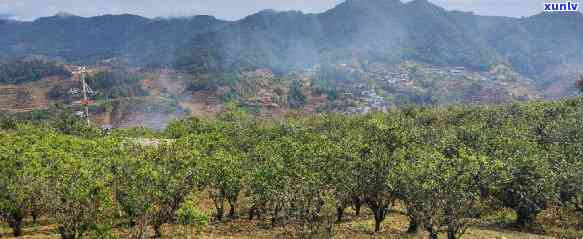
{"points": [[231, 9]]}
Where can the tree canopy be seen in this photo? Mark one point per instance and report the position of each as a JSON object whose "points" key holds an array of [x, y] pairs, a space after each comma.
{"points": [[442, 168]]}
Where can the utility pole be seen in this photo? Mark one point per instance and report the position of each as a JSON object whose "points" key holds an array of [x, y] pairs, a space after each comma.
{"points": [[85, 101]]}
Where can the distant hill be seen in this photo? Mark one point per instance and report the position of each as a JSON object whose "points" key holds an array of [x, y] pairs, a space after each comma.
{"points": [[389, 30], [386, 31], [134, 39]]}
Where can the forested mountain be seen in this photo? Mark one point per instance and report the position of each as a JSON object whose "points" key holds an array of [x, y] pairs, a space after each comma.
{"points": [[133, 38], [386, 30], [540, 47], [389, 30]]}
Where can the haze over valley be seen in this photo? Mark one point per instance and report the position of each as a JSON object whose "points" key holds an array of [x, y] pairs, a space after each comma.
{"points": [[360, 56]]}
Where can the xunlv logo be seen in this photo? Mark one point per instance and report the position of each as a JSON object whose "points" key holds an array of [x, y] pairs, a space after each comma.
{"points": [[561, 7]]}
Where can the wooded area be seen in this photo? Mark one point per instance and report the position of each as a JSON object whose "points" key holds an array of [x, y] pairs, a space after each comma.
{"points": [[441, 167], [20, 72]]}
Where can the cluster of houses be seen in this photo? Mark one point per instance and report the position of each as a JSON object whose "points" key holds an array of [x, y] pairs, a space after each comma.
{"points": [[401, 76], [369, 101], [264, 98], [392, 76], [258, 74], [357, 95]]}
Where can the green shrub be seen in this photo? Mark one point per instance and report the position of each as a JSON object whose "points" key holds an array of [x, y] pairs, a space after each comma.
{"points": [[192, 220]]}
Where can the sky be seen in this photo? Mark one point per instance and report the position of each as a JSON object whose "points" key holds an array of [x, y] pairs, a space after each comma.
{"points": [[231, 9]]}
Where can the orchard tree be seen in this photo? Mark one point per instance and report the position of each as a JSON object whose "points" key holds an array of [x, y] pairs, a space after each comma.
{"points": [[16, 175], [221, 170], [570, 184], [310, 205], [173, 179], [439, 189], [77, 187], [65, 121], [458, 193], [223, 175], [292, 180], [240, 132], [530, 189], [563, 140], [383, 138], [133, 190], [151, 183], [342, 144], [185, 127], [298, 162], [22, 176], [267, 183], [221, 148], [529, 184], [191, 218], [412, 187], [269, 179]]}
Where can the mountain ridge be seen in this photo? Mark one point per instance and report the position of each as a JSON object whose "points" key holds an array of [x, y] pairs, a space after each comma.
{"points": [[91, 39], [392, 30], [372, 30]]}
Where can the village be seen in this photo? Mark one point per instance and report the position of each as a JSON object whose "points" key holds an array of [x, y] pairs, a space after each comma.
{"points": [[378, 86], [354, 88], [374, 87]]}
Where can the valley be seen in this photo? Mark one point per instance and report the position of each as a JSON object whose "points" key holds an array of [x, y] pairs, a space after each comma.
{"points": [[134, 96], [360, 56]]}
